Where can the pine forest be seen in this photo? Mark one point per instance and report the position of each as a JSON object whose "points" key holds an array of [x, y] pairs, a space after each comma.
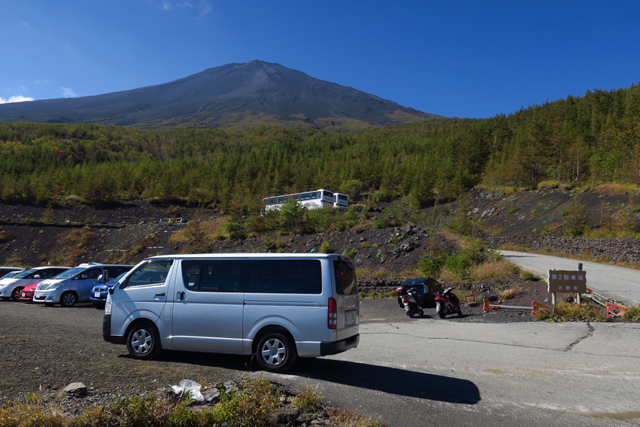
{"points": [[586, 140]]}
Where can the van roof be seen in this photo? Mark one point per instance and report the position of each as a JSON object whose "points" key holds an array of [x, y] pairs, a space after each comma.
{"points": [[248, 255]]}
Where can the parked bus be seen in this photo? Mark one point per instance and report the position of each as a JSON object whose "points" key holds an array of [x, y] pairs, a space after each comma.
{"points": [[340, 200], [311, 199]]}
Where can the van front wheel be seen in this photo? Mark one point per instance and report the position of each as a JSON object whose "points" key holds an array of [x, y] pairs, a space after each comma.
{"points": [[143, 341], [276, 352]]}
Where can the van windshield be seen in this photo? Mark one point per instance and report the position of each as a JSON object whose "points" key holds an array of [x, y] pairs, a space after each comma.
{"points": [[150, 272], [345, 277]]}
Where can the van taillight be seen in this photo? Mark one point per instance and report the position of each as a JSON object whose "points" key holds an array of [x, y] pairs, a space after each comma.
{"points": [[332, 320]]}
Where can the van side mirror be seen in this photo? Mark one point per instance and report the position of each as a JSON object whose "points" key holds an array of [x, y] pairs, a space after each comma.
{"points": [[110, 291], [37, 276]]}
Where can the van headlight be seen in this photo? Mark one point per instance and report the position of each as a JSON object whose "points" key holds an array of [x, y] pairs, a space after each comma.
{"points": [[107, 307], [52, 287]]}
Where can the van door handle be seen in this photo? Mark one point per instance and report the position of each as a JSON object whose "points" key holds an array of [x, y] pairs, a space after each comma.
{"points": [[160, 294], [180, 296]]}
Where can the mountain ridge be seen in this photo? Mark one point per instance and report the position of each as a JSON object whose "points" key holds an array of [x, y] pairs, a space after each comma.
{"points": [[245, 95]]}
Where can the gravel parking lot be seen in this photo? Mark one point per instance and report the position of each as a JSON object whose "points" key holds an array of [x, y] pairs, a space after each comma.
{"points": [[43, 349]]}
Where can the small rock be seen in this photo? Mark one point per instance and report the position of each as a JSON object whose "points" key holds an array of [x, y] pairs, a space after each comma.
{"points": [[78, 389]]}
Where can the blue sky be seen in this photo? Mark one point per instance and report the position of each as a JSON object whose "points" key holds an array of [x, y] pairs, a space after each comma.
{"points": [[453, 58]]}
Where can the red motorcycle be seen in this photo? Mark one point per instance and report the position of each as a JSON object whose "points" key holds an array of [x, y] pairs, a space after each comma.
{"points": [[447, 303]]}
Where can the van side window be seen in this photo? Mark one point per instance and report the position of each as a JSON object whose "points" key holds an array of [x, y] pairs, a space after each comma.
{"points": [[213, 275], [191, 274], [152, 272], [209, 276], [232, 276], [284, 277]]}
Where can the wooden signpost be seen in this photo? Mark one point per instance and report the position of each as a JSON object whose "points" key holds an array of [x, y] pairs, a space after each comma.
{"points": [[567, 282]]}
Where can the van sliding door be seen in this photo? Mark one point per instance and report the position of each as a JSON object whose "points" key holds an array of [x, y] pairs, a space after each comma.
{"points": [[208, 305]]}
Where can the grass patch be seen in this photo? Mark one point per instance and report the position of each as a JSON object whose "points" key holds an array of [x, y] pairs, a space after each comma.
{"points": [[195, 230], [345, 418], [613, 189], [375, 294], [74, 245], [529, 276], [309, 399], [633, 314], [572, 312], [510, 293], [492, 270], [257, 403], [5, 236]]}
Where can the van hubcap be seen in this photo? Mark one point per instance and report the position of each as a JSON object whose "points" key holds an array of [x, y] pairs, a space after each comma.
{"points": [[141, 341], [274, 352]]}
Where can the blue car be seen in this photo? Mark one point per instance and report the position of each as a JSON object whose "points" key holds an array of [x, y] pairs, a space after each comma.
{"points": [[75, 285], [99, 292]]}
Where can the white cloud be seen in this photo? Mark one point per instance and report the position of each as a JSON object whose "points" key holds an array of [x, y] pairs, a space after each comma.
{"points": [[18, 98], [67, 92], [204, 7]]}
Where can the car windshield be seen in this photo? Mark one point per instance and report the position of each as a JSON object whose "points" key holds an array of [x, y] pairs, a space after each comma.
{"points": [[70, 273], [25, 274]]}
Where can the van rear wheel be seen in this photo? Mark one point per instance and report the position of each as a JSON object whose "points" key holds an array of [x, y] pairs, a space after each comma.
{"points": [[276, 352], [143, 341]]}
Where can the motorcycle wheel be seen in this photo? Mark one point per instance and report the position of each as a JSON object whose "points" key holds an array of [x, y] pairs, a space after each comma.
{"points": [[410, 313], [440, 311]]}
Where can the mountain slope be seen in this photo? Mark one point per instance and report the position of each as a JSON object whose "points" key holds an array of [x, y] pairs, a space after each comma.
{"points": [[231, 95]]}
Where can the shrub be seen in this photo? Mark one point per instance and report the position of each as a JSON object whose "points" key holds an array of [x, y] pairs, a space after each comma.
{"points": [[431, 267], [309, 399], [235, 230], [633, 314], [576, 218], [351, 253], [325, 247]]}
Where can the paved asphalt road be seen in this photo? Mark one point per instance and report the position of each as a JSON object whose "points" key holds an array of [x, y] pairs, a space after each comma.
{"points": [[619, 283], [433, 372], [417, 372]]}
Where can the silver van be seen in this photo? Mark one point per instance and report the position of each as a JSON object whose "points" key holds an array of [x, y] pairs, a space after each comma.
{"points": [[276, 306]]}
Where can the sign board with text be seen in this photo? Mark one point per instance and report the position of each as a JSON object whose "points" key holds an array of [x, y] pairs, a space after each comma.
{"points": [[567, 282]]}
